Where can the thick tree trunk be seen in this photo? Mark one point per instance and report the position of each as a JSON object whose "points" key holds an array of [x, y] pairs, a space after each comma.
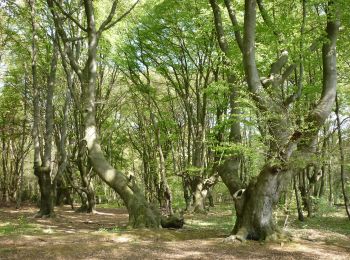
{"points": [[254, 208], [255, 205], [43, 172], [46, 192]]}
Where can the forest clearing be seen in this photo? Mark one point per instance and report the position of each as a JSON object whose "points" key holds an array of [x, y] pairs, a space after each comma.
{"points": [[165, 129], [103, 236]]}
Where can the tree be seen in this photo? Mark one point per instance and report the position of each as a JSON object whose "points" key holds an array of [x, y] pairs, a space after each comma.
{"points": [[140, 212], [254, 205]]}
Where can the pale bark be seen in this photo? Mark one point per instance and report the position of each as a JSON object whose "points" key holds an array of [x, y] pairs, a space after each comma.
{"points": [[42, 161], [342, 161], [255, 205], [229, 171], [141, 214]]}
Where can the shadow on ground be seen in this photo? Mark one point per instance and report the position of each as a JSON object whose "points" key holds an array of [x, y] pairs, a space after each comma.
{"points": [[103, 236]]}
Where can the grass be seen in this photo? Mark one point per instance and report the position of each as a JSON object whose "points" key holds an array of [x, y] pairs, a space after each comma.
{"points": [[335, 224], [218, 222], [221, 217], [19, 226], [110, 206]]}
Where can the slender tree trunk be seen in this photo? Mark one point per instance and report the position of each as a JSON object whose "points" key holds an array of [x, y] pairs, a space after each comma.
{"points": [[23, 141], [330, 183], [300, 211], [342, 160], [165, 192]]}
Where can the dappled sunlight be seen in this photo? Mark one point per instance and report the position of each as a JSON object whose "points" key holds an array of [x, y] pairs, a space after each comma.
{"points": [[319, 251], [104, 213], [201, 223], [73, 235]]}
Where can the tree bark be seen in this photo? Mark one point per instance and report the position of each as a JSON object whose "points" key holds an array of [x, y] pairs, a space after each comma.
{"points": [[342, 160], [141, 214], [254, 206], [300, 211], [43, 170]]}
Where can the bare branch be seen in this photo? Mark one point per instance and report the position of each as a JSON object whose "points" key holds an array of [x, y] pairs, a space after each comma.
{"points": [[111, 24], [69, 16], [266, 18], [109, 17]]}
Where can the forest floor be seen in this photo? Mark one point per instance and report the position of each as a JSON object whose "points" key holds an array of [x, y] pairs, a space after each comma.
{"points": [[103, 235]]}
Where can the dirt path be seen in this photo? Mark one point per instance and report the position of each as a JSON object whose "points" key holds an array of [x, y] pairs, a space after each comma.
{"points": [[80, 236]]}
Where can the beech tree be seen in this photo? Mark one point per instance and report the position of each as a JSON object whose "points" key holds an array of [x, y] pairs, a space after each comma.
{"points": [[140, 212], [168, 106], [254, 205]]}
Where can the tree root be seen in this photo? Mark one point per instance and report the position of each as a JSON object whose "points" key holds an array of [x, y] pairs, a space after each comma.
{"points": [[279, 236], [241, 236], [234, 239], [85, 209]]}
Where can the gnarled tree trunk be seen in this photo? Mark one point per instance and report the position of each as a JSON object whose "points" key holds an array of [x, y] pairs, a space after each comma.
{"points": [[254, 206]]}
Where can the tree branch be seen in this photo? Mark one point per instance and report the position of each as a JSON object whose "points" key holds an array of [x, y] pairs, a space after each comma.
{"points": [[250, 68], [109, 17], [111, 24], [232, 14], [69, 16], [266, 17], [63, 36]]}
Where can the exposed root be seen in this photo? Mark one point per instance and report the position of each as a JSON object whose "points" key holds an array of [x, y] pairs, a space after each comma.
{"points": [[279, 236], [85, 209], [234, 239]]}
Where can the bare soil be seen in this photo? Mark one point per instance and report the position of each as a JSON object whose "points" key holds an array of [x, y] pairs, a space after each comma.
{"points": [[102, 235]]}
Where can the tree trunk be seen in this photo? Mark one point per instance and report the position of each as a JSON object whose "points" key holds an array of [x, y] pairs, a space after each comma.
{"points": [[46, 192], [254, 206], [330, 183], [186, 186], [300, 211], [141, 213], [43, 172], [342, 160], [165, 195], [199, 196], [23, 141]]}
